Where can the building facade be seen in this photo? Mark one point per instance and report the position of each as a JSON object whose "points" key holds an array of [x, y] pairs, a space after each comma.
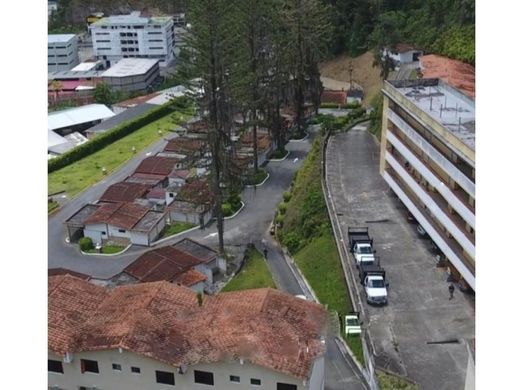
{"points": [[133, 36], [428, 160], [132, 74], [62, 52]]}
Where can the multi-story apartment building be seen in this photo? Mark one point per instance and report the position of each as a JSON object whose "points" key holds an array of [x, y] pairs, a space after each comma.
{"points": [[127, 36], [428, 160], [160, 335], [62, 52]]}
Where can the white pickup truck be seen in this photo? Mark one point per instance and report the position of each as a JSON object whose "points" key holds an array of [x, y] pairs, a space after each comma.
{"points": [[360, 244], [373, 279]]}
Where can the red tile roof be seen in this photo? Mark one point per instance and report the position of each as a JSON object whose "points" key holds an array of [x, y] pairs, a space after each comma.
{"points": [[185, 145], [64, 271], [190, 278], [157, 165], [124, 215], [456, 73], [124, 192], [197, 192], [164, 263], [336, 97], [164, 322]]}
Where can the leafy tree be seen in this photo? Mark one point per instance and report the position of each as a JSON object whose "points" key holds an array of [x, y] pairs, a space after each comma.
{"points": [[103, 94]]}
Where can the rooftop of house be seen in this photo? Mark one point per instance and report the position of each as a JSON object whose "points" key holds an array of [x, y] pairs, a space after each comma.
{"points": [[145, 178], [59, 38], [132, 19], [197, 250], [157, 165], [263, 140], [130, 67], [197, 192], [79, 217], [336, 97], [403, 48], [123, 215], [456, 73], [65, 271], [185, 145], [190, 278], [148, 221], [449, 107], [165, 263], [164, 322], [124, 192]]}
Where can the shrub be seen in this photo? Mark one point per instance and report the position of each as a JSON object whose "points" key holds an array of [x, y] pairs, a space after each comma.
{"points": [[356, 113], [282, 208], [235, 201], [279, 153], [85, 244], [279, 219], [286, 196], [226, 209], [292, 241]]}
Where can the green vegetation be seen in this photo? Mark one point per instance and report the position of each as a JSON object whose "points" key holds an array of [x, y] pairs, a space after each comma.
{"points": [[344, 106], [286, 196], [83, 173], [174, 228], [376, 115], [107, 250], [51, 205], [86, 244], [388, 381], [232, 204], [254, 274], [256, 178], [279, 153], [445, 27], [177, 107]]}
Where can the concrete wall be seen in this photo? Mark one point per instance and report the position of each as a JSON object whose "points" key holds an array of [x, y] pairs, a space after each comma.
{"points": [[133, 83], [109, 379], [95, 231], [139, 238]]}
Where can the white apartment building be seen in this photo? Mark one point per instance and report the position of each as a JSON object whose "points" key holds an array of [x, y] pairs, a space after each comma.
{"points": [[62, 52], [159, 336], [133, 36], [428, 160]]}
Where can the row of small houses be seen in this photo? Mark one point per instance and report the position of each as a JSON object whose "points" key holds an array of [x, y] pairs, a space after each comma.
{"points": [[170, 186]]}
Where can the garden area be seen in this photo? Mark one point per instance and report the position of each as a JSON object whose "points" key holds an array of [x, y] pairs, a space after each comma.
{"points": [[254, 274], [86, 245], [231, 205], [174, 228], [254, 179], [51, 205], [279, 154]]}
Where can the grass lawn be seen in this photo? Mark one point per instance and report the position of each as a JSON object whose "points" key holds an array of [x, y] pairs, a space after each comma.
{"points": [[254, 274], [174, 228], [391, 382], [52, 206], [83, 173], [109, 249]]}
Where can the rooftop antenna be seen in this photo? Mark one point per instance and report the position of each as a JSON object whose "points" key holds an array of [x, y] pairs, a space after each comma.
{"points": [[350, 69]]}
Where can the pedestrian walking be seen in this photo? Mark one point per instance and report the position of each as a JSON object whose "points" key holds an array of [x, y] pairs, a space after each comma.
{"points": [[265, 253], [451, 289]]}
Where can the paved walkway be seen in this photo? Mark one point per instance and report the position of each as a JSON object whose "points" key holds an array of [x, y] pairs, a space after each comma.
{"points": [[419, 310]]}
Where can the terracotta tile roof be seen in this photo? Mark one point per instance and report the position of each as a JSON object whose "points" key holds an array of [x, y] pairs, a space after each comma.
{"points": [[190, 278], [336, 97], [124, 192], [185, 145], [197, 192], [198, 127], [157, 165], [456, 73], [165, 263], [145, 178], [180, 173], [64, 271], [164, 322], [156, 193], [124, 215]]}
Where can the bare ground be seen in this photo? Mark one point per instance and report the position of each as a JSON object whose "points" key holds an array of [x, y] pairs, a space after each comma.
{"points": [[335, 74]]}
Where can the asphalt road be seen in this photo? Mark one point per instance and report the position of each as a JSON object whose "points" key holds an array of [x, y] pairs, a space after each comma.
{"points": [[418, 311]]}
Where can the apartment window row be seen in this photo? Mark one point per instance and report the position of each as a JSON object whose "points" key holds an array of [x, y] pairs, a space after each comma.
{"points": [[125, 49], [102, 33], [156, 48], [128, 34], [154, 32], [125, 41], [155, 40], [163, 377], [103, 41]]}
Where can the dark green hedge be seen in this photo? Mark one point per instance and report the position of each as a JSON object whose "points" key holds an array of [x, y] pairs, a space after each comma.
{"points": [[104, 139]]}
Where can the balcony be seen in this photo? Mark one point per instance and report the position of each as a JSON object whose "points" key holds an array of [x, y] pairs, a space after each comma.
{"points": [[455, 225], [448, 245], [456, 198]]}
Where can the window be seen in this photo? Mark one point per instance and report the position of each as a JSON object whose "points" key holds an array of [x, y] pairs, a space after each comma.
{"points": [[285, 386], [256, 382], [204, 377], [103, 233], [165, 377], [55, 366], [116, 367], [121, 230], [234, 378], [89, 366], [135, 370]]}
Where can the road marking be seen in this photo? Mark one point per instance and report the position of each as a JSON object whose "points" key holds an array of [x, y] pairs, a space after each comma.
{"points": [[211, 235]]}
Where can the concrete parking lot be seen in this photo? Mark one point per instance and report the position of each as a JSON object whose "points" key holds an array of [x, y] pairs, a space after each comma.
{"points": [[418, 311]]}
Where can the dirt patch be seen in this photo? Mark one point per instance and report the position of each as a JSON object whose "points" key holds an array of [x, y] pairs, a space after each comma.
{"points": [[335, 74]]}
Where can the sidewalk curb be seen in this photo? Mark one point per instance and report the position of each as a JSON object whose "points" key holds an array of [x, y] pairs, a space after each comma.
{"points": [[259, 184], [173, 236], [301, 139], [298, 274], [107, 254], [280, 159], [237, 212]]}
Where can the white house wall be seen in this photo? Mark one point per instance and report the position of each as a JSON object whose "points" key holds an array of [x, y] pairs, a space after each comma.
{"points": [[109, 379], [139, 238], [95, 231]]}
